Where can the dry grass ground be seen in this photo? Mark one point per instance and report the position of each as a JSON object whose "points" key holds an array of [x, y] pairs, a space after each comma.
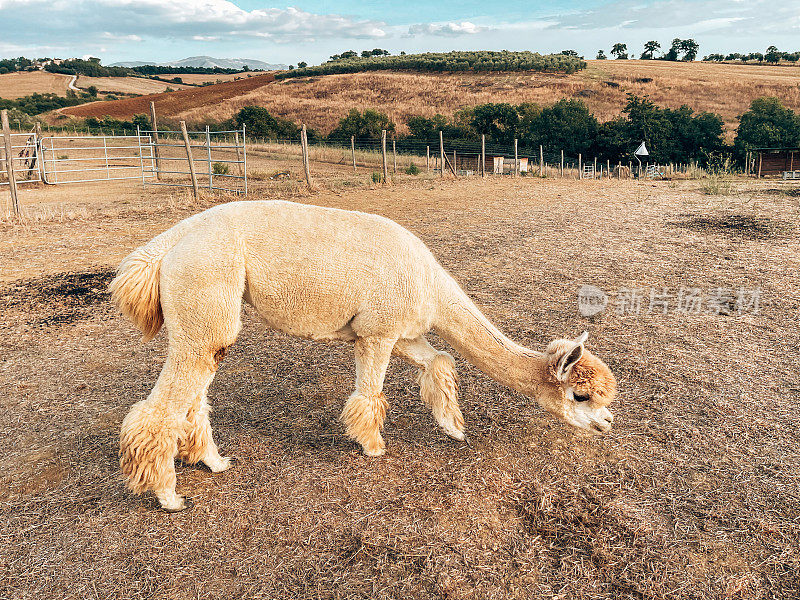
{"points": [[16, 85], [321, 101], [695, 493]]}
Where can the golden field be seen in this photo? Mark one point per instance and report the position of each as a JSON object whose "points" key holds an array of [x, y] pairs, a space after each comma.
{"points": [[16, 85], [321, 101]]}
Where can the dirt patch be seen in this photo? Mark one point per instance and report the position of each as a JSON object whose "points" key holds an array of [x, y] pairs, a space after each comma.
{"points": [[58, 299], [740, 226]]}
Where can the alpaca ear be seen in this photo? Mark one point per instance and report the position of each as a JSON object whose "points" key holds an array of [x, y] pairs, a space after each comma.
{"points": [[581, 339], [568, 360]]}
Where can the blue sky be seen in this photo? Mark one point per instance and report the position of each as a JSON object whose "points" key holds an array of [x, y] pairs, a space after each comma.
{"points": [[162, 30]]}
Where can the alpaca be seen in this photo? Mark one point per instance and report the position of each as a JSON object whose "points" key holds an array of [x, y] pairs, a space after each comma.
{"points": [[323, 274]]}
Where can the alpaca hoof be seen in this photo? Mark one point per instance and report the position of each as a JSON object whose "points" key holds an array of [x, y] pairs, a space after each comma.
{"points": [[375, 452], [222, 464], [454, 433], [185, 504]]}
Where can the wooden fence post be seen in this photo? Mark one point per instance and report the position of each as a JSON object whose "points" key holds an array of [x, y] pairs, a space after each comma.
{"points": [[760, 155], [12, 182], [483, 155], [155, 139], [562, 165], [580, 166], [394, 155], [383, 152], [306, 161], [441, 150], [516, 159], [353, 150], [210, 166], [428, 158], [608, 167], [541, 161], [188, 145], [594, 174]]}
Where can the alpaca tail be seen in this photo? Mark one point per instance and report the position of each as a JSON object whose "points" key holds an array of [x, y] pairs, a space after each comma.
{"points": [[136, 288]]}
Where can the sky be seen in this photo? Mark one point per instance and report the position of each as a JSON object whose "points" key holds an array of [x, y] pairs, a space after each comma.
{"points": [[312, 30]]}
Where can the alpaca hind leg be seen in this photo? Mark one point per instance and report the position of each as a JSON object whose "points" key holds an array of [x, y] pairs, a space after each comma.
{"points": [[438, 383], [365, 410], [201, 302]]}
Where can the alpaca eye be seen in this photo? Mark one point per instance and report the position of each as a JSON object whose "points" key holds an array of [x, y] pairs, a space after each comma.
{"points": [[580, 398]]}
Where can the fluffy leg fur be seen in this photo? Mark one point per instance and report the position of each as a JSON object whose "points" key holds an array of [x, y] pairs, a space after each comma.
{"points": [[438, 383], [365, 411], [198, 443]]}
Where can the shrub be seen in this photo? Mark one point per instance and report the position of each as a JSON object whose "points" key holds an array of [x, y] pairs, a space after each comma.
{"points": [[412, 169], [221, 168], [376, 177]]}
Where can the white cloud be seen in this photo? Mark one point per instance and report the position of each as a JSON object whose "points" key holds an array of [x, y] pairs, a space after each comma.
{"points": [[133, 20], [446, 29]]}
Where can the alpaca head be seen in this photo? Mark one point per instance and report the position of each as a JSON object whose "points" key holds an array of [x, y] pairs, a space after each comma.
{"points": [[577, 386]]}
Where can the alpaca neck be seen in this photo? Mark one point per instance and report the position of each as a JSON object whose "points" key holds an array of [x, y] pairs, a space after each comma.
{"points": [[465, 328]]}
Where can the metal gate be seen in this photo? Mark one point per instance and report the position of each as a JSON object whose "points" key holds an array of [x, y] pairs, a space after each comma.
{"points": [[222, 158], [24, 159], [79, 159]]}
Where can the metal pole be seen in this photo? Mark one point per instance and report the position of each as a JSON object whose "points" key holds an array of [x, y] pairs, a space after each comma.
{"points": [[12, 182], [141, 157], [580, 166], [238, 156], [394, 154], [383, 157], [516, 159], [353, 150], [208, 147], [105, 150], [244, 156], [428, 158]]}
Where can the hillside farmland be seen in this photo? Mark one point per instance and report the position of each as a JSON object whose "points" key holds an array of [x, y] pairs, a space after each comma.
{"points": [[321, 101]]}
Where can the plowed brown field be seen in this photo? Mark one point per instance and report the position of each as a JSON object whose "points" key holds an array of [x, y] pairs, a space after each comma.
{"points": [[171, 103]]}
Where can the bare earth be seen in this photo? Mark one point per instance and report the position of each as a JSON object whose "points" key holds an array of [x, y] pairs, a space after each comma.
{"points": [[694, 494], [128, 85]]}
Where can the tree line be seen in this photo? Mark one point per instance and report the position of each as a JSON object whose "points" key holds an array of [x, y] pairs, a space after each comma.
{"points": [[671, 135], [772, 56], [684, 50], [483, 60]]}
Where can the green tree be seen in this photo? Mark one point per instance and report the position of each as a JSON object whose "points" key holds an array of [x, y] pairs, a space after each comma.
{"points": [[767, 124], [620, 51], [650, 49], [366, 125], [302, 64], [498, 121], [261, 123], [601, 55], [566, 125], [773, 55], [690, 49]]}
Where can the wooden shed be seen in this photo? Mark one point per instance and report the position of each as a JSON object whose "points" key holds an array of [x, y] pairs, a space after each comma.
{"points": [[774, 162]]}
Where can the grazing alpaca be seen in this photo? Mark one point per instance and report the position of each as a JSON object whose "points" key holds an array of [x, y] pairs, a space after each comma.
{"points": [[323, 274]]}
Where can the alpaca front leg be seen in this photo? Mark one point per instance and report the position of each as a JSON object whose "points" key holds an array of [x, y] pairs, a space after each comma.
{"points": [[438, 383], [198, 444], [365, 410], [148, 446]]}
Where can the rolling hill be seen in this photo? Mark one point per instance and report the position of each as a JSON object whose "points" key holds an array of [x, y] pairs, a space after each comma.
{"points": [[209, 62], [320, 102]]}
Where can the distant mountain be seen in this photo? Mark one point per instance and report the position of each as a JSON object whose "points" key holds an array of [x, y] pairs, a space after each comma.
{"points": [[209, 62]]}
